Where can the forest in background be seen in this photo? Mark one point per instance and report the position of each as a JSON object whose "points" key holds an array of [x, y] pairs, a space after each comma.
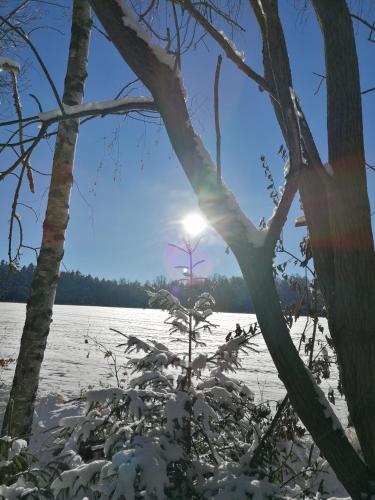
{"points": [[74, 288]]}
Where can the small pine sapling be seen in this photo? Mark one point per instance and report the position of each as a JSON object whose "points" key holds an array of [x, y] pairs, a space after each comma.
{"points": [[180, 418]]}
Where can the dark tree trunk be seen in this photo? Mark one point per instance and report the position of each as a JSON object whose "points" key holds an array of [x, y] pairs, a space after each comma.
{"points": [[336, 207], [352, 311]]}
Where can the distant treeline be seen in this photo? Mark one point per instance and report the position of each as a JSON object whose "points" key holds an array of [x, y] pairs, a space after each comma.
{"points": [[74, 288]]}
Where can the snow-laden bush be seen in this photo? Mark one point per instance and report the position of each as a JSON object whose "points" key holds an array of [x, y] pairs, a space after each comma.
{"points": [[181, 428]]}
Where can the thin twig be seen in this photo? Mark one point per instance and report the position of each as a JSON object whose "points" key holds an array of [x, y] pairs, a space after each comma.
{"points": [[177, 27], [17, 105], [28, 152], [101, 32], [365, 23], [152, 3], [118, 95], [14, 11], [39, 59], [368, 91], [13, 217], [278, 220], [225, 45], [219, 12]]}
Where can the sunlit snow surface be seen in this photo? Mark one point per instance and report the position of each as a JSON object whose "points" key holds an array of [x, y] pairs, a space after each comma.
{"points": [[70, 365]]}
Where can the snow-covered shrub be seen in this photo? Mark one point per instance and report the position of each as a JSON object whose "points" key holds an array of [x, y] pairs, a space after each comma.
{"points": [[13, 457], [175, 422], [181, 428]]}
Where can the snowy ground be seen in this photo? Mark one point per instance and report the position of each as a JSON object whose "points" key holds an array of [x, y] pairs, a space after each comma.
{"points": [[71, 365], [74, 359]]}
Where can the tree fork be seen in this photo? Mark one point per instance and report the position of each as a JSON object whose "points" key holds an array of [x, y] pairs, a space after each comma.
{"points": [[332, 204], [329, 438], [226, 216]]}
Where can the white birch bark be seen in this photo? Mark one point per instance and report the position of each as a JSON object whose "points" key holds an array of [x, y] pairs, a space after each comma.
{"points": [[19, 412]]}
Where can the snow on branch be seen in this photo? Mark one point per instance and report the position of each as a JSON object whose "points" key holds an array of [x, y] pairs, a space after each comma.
{"points": [[129, 21], [9, 65], [161, 54], [328, 168], [126, 104], [239, 53], [300, 221], [154, 68], [226, 356]]}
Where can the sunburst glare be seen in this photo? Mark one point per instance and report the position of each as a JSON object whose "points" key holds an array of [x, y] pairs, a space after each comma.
{"points": [[194, 224]]}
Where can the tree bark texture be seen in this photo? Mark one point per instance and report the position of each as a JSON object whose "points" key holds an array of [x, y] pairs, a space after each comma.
{"points": [[19, 412], [312, 185], [352, 317], [222, 210], [336, 207]]}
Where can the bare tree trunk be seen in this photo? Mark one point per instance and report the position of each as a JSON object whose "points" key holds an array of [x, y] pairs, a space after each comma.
{"points": [[352, 313], [326, 432], [222, 210], [19, 412], [336, 207]]}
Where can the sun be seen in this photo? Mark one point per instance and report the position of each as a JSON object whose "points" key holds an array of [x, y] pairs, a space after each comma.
{"points": [[194, 224]]}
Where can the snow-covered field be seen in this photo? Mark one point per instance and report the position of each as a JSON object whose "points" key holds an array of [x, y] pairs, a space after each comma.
{"points": [[71, 365]]}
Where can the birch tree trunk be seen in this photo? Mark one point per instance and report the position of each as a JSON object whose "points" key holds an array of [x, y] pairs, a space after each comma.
{"points": [[19, 411]]}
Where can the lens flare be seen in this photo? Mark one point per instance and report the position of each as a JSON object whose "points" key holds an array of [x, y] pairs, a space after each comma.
{"points": [[194, 224]]}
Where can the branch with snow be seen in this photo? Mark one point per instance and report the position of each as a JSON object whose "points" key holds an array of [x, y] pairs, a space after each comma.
{"points": [[125, 105], [300, 221], [101, 108], [153, 65], [9, 65]]}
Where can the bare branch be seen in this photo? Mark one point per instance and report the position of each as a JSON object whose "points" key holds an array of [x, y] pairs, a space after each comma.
{"points": [[37, 102], [367, 24], [17, 105], [101, 32], [15, 217], [28, 120], [372, 89], [225, 45], [126, 86], [217, 120], [27, 154], [39, 59], [31, 209], [149, 8], [323, 77], [278, 220], [177, 27], [15, 10], [219, 12]]}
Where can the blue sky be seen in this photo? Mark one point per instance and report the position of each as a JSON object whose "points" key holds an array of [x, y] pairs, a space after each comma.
{"points": [[130, 192]]}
